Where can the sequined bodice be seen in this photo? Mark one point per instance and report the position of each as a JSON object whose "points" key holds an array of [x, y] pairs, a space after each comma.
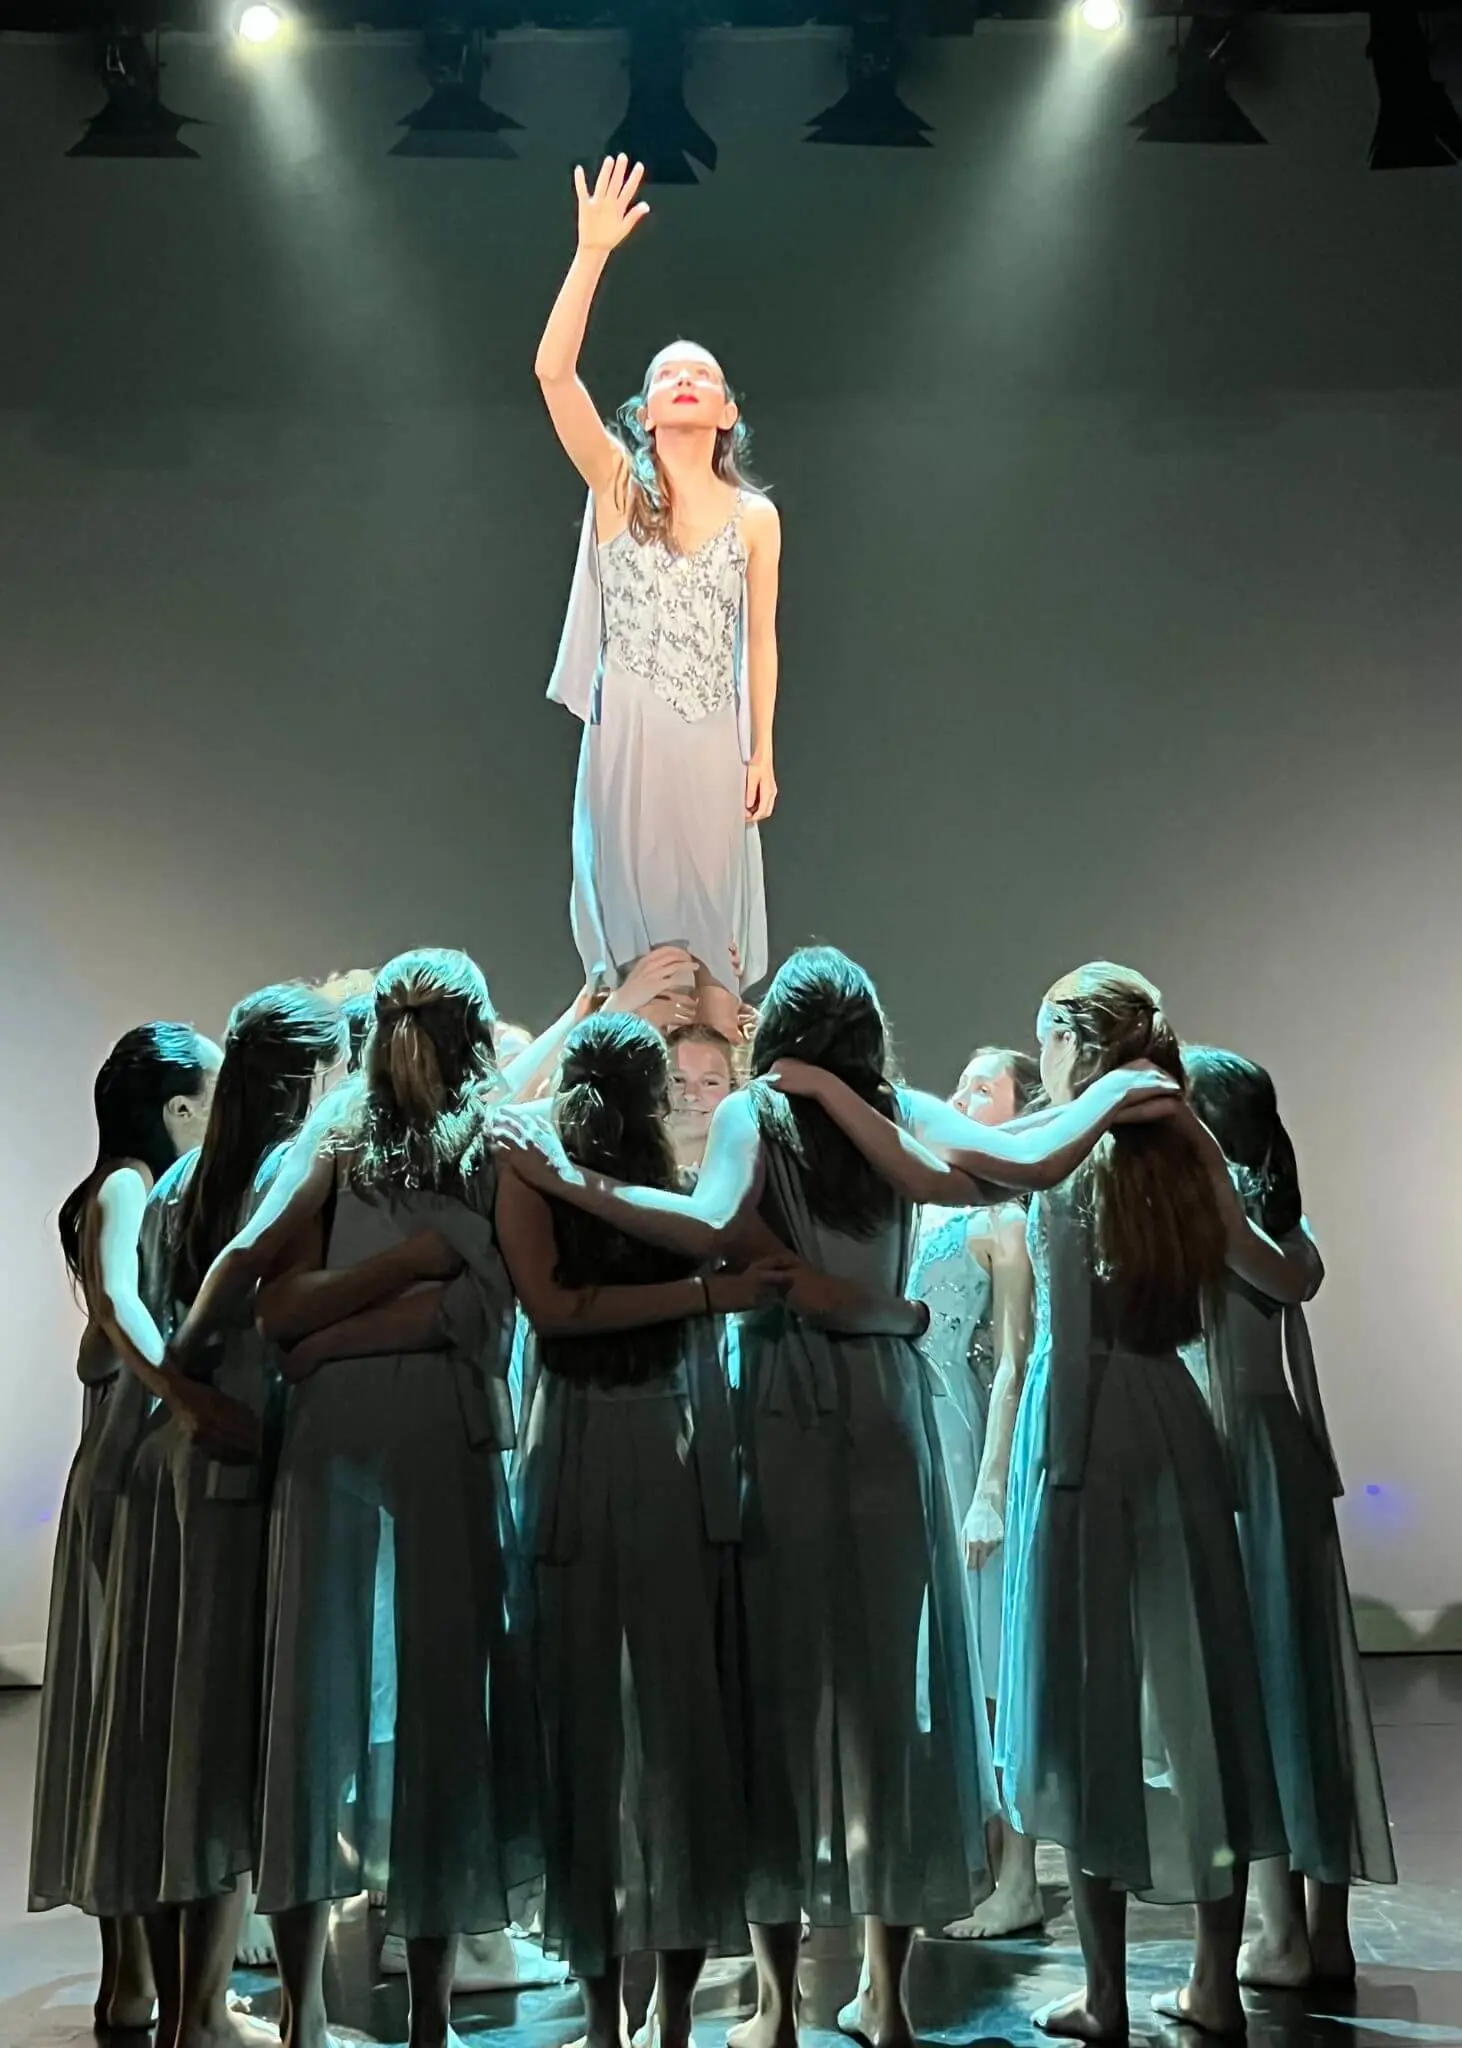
{"points": [[672, 619], [956, 1286]]}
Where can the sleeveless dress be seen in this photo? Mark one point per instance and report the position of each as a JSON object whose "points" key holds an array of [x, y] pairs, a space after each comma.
{"points": [[400, 1749], [116, 1411], [1130, 1723], [1309, 1663], [959, 1343], [868, 1757], [653, 661], [174, 1746], [627, 1501]]}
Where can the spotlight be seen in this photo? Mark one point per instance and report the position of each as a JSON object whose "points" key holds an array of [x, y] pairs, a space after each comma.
{"points": [[1103, 17], [658, 129], [134, 121], [1417, 126], [258, 23], [1200, 107], [870, 113], [454, 120]]}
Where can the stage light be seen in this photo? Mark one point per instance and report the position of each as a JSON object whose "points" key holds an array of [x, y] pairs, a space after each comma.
{"points": [[870, 114], [134, 121], [258, 23], [1200, 107], [1103, 17], [454, 120], [658, 129], [1417, 126]]}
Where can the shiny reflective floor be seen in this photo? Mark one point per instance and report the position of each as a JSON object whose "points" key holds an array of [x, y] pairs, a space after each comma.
{"points": [[1409, 1940]]}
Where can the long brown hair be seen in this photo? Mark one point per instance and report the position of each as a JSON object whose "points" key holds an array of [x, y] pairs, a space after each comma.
{"points": [[647, 499], [1158, 1236], [415, 1116]]}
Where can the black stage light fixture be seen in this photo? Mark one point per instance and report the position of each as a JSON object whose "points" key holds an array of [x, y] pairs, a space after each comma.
{"points": [[454, 120], [1200, 107], [1417, 127], [870, 114], [658, 129], [134, 121]]}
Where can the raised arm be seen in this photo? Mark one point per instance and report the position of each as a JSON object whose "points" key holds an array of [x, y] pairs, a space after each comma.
{"points": [[1012, 1302], [296, 1195], [703, 1225], [1289, 1273], [525, 1233], [763, 532], [606, 216]]}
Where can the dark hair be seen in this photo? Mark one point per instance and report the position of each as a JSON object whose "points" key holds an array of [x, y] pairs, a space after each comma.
{"points": [[1159, 1239], [358, 1014], [1236, 1099], [140, 1076], [610, 1114], [276, 1042], [1024, 1069], [822, 1008], [647, 493], [415, 1114]]}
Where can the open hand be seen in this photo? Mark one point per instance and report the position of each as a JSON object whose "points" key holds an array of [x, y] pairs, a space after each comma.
{"points": [[215, 1422], [663, 978], [763, 1284], [531, 1146], [796, 1077], [761, 790], [610, 213], [983, 1532]]}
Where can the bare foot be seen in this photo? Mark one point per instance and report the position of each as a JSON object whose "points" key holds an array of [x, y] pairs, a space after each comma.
{"points": [[1013, 1909], [1210, 2013], [1332, 1959], [125, 2012], [861, 2022], [760, 2031], [234, 2030], [255, 1949], [1280, 1962], [1080, 2018]]}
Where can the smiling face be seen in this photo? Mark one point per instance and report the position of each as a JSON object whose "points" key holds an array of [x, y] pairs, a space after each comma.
{"points": [[685, 387]]}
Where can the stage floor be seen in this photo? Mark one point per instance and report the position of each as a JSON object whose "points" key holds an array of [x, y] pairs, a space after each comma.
{"points": [[1409, 1940]]}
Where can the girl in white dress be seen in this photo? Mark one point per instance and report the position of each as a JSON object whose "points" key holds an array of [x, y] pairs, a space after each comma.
{"points": [[669, 651]]}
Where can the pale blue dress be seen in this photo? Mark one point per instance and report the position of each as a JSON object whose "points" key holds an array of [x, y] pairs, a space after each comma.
{"points": [[1131, 1722], [958, 1291], [1309, 1663], [868, 1757], [653, 659]]}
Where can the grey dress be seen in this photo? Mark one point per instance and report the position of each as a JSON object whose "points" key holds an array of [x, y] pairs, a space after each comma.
{"points": [[1309, 1664], [653, 660], [116, 1414], [175, 1737], [958, 1291], [418, 1780], [628, 1504], [869, 1779], [1130, 1723]]}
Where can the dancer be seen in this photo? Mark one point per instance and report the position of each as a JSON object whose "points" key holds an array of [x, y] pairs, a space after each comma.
{"points": [[702, 1075], [632, 1541], [1130, 1719], [385, 1189], [669, 651], [175, 1740], [972, 1268], [152, 1098], [879, 1811], [1314, 1692]]}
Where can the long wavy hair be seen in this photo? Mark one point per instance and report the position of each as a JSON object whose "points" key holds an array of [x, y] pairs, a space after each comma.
{"points": [[413, 1117], [276, 1043], [614, 1093], [647, 499], [1158, 1235], [823, 1008], [144, 1071], [1237, 1101]]}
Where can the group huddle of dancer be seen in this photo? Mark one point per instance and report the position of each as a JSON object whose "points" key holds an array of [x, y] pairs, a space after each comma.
{"points": [[663, 1486]]}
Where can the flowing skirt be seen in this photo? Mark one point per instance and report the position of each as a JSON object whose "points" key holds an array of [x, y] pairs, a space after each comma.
{"points": [[634, 1639], [962, 1414], [869, 1780], [1131, 1725], [1309, 1663]]}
